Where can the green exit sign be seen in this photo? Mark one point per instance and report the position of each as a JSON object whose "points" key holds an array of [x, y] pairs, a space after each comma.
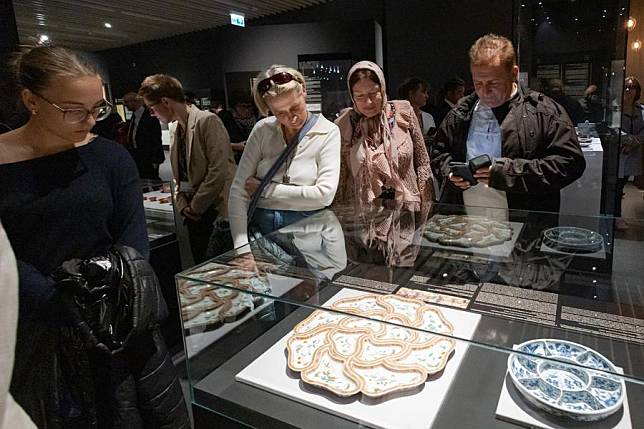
{"points": [[237, 19]]}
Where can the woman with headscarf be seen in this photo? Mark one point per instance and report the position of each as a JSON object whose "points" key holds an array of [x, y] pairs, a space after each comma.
{"points": [[383, 154], [630, 157]]}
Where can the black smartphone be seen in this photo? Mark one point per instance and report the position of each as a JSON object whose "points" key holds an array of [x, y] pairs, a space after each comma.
{"points": [[462, 169]]}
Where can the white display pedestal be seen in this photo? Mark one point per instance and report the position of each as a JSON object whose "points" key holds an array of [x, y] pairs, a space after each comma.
{"points": [[414, 410], [583, 197]]}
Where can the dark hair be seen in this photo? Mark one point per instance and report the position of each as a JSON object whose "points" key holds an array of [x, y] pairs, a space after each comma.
{"points": [[155, 87], [239, 96], [191, 97], [35, 68], [363, 73], [411, 84], [453, 83], [634, 83]]}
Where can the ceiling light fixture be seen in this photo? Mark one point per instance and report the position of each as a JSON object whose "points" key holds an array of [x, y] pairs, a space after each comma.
{"points": [[107, 25], [631, 23], [637, 45]]}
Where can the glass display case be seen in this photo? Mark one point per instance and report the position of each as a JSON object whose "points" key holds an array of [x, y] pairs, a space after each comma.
{"points": [[159, 211], [402, 316]]}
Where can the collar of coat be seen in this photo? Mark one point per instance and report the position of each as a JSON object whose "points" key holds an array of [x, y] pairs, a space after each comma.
{"points": [[465, 107]]}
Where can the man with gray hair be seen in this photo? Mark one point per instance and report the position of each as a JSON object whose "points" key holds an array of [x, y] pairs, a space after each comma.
{"points": [[529, 138], [144, 138]]}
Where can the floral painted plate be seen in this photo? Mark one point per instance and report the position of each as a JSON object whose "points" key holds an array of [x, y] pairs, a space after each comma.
{"points": [[561, 386], [368, 347]]}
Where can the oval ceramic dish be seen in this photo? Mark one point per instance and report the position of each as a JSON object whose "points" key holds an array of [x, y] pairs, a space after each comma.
{"points": [[562, 389], [573, 239]]}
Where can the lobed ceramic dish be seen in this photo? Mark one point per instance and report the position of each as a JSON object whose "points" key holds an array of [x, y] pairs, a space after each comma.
{"points": [[560, 386], [573, 240], [355, 351], [209, 304], [467, 231]]}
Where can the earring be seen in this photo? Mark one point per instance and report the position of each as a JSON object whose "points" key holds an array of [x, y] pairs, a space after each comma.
{"points": [[34, 112]]}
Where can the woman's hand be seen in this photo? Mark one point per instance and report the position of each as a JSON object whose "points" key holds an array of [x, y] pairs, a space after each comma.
{"points": [[239, 147], [252, 183]]}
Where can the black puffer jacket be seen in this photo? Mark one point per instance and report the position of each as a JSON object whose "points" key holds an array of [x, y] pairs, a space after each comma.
{"points": [[75, 378], [540, 152]]}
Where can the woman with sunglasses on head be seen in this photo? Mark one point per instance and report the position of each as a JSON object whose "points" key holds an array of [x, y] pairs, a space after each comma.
{"points": [[383, 151], [64, 194], [302, 150]]}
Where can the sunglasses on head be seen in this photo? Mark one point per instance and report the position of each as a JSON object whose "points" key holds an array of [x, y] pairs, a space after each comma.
{"points": [[277, 79]]}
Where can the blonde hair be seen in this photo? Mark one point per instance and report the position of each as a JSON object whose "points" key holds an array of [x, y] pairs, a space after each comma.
{"points": [[488, 48], [260, 99], [36, 67], [155, 87]]}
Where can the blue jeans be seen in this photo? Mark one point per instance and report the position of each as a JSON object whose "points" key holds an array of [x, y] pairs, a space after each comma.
{"points": [[271, 220]]}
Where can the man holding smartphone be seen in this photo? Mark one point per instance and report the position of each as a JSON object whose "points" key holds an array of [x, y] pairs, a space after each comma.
{"points": [[530, 139]]}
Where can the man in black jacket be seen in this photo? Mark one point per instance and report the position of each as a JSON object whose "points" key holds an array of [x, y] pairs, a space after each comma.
{"points": [[454, 90], [530, 138], [144, 138]]}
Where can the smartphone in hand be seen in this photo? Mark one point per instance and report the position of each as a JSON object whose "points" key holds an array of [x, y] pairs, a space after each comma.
{"points": [[462, 169]]}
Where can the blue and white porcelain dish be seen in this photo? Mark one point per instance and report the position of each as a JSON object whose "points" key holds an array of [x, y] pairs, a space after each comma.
{"points": [[570, 382]]}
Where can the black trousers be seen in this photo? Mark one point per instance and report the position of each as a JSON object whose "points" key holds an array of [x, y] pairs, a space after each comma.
{"points": [[619, 190], [147, 170], [207, 238], [199, 233]]}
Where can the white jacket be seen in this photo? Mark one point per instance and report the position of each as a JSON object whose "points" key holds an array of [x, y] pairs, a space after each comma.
{"points": [[11, 415], [314, 172]]}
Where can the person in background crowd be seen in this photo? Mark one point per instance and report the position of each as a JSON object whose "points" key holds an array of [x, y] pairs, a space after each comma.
{"points": [[109, 126], [306, 180], [191, 99], [454, 90], [630, 157], [556, 90], [67, 194], [217, 107], [12, 416], [526, 173], [202, 164], [239, 121], [383, 151], [415, 91], [591, 104], [144, 138]]}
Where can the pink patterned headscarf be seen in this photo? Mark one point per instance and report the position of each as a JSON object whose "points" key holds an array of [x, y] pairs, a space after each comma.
{"points": [[378, 130]]}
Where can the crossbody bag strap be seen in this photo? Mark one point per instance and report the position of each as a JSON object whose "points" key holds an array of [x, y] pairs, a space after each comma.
{"points": [[278, 164]]}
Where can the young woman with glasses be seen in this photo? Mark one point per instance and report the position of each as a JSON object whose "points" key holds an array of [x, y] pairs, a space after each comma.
{"points": [[307, 180], [64, 194], [383, 151]]}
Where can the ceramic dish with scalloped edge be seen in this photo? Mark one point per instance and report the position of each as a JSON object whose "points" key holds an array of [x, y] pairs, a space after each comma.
{"points": [[570, 382]]}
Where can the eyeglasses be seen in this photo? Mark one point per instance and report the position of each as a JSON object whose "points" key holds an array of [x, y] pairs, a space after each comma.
{"points": [[151, 106], [277, 79], [80, 114], [373, 96]]}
